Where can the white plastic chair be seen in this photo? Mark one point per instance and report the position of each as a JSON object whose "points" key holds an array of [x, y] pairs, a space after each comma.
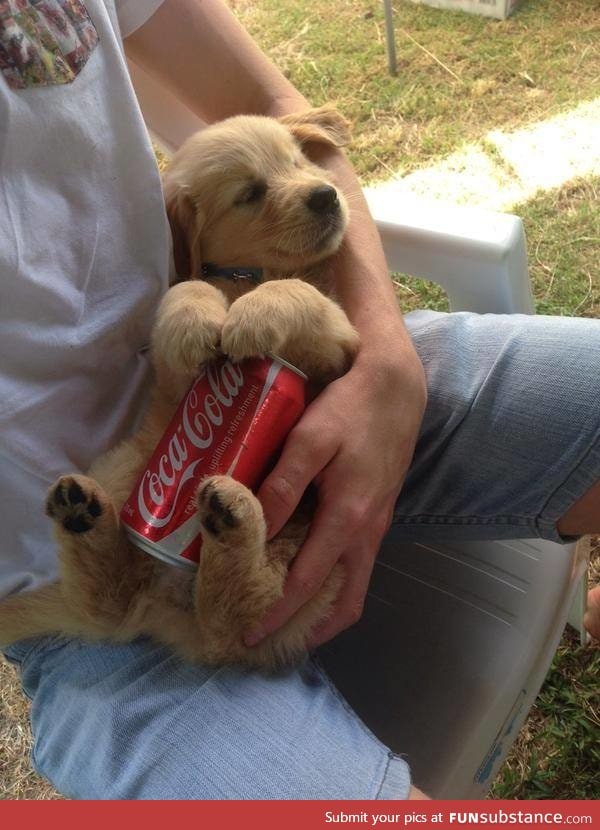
{"points": [[473, 626]]}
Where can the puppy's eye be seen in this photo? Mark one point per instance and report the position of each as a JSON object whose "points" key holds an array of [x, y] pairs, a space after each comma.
{"points": [[253, 193]]}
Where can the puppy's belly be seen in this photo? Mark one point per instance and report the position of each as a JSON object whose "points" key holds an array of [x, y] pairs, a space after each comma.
{"points": [[174, 585]]}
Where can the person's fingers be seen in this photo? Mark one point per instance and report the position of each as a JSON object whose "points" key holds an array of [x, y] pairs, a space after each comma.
{"points": [[333, 531], [304, 456], [349, 606], [358, 567]]}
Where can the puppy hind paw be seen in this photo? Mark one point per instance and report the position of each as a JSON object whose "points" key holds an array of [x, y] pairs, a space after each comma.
{"points": [[227, 507], [76, 503]]}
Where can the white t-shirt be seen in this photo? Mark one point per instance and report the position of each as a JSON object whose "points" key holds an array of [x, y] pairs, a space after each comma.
{"points": [[84, 253]]}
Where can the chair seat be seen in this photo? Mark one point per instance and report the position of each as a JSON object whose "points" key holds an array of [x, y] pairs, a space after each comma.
{"points": [[451, 651]]}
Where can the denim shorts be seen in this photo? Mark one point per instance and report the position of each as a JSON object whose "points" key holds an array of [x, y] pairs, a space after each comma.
{"points": [[509, 441], [135, 722], [511, 435]]}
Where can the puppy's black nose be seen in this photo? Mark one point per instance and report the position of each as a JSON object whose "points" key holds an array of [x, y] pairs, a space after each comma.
{"points": [[323, 199]]}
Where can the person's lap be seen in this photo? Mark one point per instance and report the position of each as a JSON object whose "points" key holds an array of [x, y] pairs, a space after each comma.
{"points": [[134, 722], [509, 441]]}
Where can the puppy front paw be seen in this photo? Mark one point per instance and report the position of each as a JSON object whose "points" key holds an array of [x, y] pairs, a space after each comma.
{"points": [[76, 503], [293, 320], [188, 326], [193, 344], [251, 329]]}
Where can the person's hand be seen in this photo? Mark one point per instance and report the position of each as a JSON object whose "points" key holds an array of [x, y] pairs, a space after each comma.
{"points": [[355, 442]]}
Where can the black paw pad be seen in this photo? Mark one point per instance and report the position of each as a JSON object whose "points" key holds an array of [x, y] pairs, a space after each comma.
{"points": [[70, 504], [216, 515], [210, 525], [77, 524], [94, 507], [222, 511], [76, 494]]}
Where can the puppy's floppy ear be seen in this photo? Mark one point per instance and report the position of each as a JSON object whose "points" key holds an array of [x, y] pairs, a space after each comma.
{"points": [[186, 225], [323, 124]]}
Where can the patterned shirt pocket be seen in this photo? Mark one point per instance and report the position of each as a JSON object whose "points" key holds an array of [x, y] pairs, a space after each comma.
{"points": [[44, 42]]}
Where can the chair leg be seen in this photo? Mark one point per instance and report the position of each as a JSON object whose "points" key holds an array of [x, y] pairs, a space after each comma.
{"points": [[389, 34]]}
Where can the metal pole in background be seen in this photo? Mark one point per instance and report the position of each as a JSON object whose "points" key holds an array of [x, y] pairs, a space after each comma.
{"points": [[389, 35]]}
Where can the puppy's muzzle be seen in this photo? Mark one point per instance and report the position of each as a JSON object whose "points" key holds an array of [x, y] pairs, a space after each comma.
{"points": [[323, 200]]}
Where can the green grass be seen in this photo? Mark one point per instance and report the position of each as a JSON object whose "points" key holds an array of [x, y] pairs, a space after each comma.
{"points": [[541, 61], [563, 234], [557, 754], [563, 237]]}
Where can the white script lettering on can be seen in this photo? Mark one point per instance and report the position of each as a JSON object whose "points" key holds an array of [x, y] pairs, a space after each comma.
{"points": [[200, 416]]}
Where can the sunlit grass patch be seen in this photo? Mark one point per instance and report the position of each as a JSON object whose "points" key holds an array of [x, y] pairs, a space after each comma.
{"points": [[499, 74], [18, 780]]}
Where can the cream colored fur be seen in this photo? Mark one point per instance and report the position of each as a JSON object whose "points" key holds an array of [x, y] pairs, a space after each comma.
{"points": [[237, 194]]}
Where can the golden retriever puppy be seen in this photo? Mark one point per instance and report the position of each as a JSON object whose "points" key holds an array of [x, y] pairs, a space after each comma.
{"points": [[240, 195]]}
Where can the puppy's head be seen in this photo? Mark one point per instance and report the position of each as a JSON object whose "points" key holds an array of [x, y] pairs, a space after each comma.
{"points": [[242, 192]]}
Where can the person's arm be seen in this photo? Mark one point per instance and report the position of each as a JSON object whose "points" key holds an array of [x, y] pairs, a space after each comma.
{"points": [[357, 438], [201, 53]]}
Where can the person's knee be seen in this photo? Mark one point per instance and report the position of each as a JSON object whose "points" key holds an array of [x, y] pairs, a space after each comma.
{"points": [[583, 517]]}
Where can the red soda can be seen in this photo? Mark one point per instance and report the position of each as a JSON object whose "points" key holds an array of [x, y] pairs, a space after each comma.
{"points": [[232, 421]]}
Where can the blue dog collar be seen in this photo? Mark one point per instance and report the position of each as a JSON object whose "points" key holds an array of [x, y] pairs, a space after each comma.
{"points": [[209, 269]]}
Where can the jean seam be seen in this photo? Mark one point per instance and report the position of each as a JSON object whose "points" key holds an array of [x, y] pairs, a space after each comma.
{"points": [[381, 783], [440, 518], [44, 641], [369, 734], [22, 660], [393, 756]]}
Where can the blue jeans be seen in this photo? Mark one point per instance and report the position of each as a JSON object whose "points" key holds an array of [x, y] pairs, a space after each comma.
{"points": [[510, 439], [134, 722]]}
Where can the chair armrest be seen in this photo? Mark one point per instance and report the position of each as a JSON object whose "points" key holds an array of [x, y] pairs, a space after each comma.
{"points": [[479, 257]]}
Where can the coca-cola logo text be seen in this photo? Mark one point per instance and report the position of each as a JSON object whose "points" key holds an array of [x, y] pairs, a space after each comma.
{"points": [[200, 414]]}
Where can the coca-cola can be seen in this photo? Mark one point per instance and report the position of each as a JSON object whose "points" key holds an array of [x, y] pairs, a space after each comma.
{"points": [[232, 421]]}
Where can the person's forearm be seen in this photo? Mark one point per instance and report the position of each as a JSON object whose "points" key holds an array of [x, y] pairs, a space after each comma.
{"points": [[200, 52]]}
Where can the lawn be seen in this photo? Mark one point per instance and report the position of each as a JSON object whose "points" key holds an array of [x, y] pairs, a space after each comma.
{"points": [[460, 76], [484, 74], [563, 237]]}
